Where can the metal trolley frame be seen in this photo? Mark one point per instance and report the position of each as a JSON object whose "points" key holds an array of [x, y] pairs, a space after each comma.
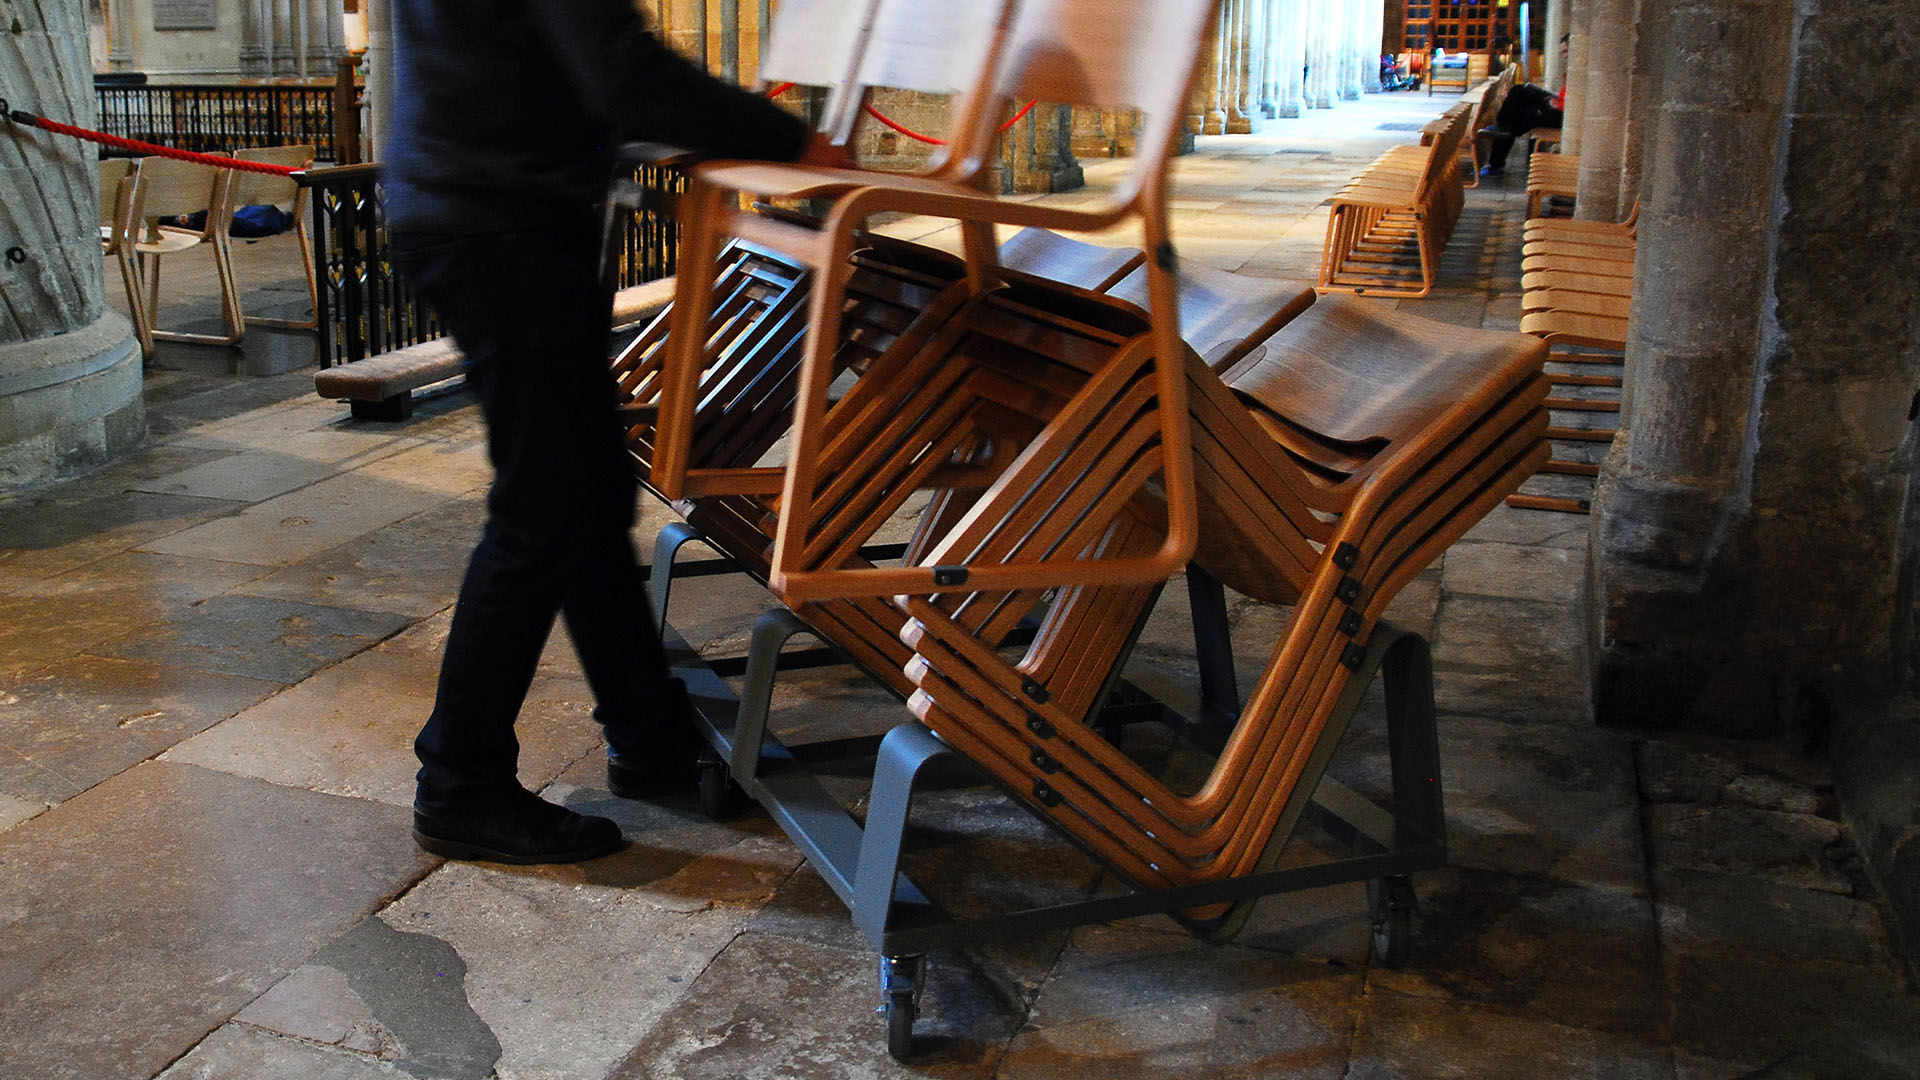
{"points": [[862, 864]]}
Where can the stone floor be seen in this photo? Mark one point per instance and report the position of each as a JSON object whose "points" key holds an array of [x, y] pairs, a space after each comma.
{"points": [[214, 653]]}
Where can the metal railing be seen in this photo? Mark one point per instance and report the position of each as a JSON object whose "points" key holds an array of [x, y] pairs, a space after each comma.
{"points": [[221, 118], [364, 306]]}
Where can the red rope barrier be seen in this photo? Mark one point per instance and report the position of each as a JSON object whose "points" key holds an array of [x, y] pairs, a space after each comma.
{"points": [[119, 143], [930, 140], [781, 89]]}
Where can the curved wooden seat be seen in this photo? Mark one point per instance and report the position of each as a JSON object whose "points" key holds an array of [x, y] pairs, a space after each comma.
{"points": [[1263, 533], [1224, 316]]}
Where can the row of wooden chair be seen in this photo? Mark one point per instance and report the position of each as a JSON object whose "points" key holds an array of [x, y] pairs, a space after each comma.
{"points": [[136, 194], [1578, 281], [1388, 226], [1551, 175]]}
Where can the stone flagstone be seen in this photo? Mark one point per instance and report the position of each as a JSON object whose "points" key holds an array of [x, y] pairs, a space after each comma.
{"points": [[153, 907]]}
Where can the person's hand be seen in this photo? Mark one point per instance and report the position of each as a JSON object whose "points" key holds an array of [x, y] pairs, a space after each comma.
{"points": [[821, 152]]}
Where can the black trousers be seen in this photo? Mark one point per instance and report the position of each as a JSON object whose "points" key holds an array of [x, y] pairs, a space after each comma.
{"points": [[531, 316]]}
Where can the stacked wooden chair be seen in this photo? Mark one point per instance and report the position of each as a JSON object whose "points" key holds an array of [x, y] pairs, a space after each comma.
{"points": [[1551, 175], [1389, 225], [1074, 446], [1578, 277]]}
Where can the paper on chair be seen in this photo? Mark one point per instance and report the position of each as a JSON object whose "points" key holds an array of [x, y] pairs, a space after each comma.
{"points": [[934, 46], [813, 41]]}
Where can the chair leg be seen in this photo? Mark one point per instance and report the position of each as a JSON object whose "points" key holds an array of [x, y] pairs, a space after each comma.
{"points": [[136, 303]]}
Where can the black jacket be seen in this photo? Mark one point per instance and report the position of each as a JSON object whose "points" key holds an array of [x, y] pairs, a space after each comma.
{"points": [[505, 111]]}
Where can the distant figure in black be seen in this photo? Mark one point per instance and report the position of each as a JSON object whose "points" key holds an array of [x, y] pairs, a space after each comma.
{"points": [[1527, 107]]}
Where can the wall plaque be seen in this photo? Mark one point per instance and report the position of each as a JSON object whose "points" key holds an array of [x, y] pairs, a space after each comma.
{"points": [[185, 15]]}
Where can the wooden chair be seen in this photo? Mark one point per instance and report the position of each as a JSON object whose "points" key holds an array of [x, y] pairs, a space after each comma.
{"points": [[1551, 176], [843, 45], [1388, 227], [1578, 299], [258, 189], [1223, 316], [1487, 99], [116, 243], [167, 187], [1068, 51]]}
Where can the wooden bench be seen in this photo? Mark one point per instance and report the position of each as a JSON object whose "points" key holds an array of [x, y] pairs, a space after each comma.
{"points": [[381, 387], [1550, 176], [1389, 225], [1578, 298]]}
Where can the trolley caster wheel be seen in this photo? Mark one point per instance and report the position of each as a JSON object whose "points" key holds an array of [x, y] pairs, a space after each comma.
{"points": [[1391, 902], [901, 1013], [720, 797], [901, 980]]}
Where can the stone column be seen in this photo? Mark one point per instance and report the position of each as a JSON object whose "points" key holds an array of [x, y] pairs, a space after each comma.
{"points": [[120, 35], [1760, 415], [1756, 534], [1266, 32], [1320, 64], [1353, 52], [1374, 21], [69, 369], [1579, 19], [1554, 76], [1603, 125], [379, 74], [1290, 58], [326, 36], [1649, 39], [256, 37]]}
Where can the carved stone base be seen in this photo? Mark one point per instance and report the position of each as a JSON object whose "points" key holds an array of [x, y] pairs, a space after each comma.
{"points": [[69, 402]]}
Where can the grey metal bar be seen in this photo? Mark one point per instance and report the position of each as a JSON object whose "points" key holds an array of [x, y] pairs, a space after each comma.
{"points": [[730, 40]]}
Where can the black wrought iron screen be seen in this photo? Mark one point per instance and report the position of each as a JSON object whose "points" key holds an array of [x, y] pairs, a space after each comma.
{"points": [[365, 307], [649, 238], [219, 119]]}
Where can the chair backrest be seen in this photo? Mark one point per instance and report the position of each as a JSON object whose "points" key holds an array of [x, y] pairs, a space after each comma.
{"points": [[112, 171], [854, 45], [168, 187], [257, 189], [1098, 53]]}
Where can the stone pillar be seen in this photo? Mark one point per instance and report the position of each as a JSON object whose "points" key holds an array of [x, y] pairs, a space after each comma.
{"points": [[120, 35], [1756, 534], [1579, 19], [1266, 32], [1320, 63], [69, 369], [379, 74], [1290, 58], [1603, 125], [1554, 75], [1374, 21], [326, 36], [1649, 38], [1353, 52], [1765, 444], [256, 37]]}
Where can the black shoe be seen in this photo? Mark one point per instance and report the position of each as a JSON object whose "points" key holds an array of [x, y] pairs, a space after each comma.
{"points": [[520, 828], [669, 763], [670, 771]]}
